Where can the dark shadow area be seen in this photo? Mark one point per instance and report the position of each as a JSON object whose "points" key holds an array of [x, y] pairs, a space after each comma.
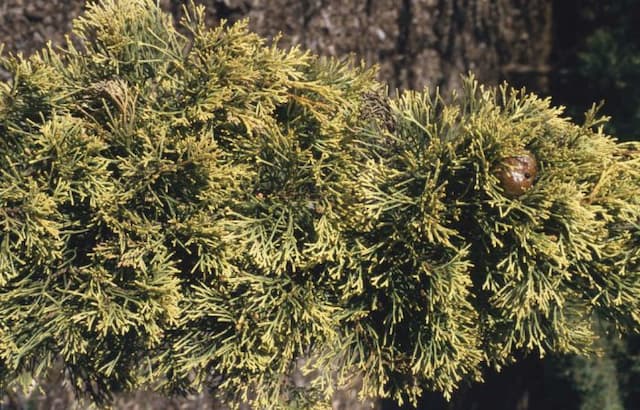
{"points": [[531, 384]]}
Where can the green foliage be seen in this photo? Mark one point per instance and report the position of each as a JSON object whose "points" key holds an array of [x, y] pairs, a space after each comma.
{"points": [[596, 379], [189, 209], [605, 65]]}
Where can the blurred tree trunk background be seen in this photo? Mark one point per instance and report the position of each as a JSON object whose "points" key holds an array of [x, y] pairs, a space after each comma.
{"points": [[578, 51], [414, 42]]}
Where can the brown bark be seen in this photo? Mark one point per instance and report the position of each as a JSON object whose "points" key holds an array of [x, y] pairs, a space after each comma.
{"points": [[420, 42], [415, 42]]}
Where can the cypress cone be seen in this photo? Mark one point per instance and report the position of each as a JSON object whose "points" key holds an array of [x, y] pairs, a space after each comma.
{"points": [[517, 173], [189, 208]]}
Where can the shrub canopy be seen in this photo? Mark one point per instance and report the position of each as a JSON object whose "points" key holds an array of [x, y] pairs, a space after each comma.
{"points": [[189, 208]]}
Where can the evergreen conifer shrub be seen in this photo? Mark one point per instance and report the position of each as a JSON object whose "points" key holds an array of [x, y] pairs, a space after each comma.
{"points": [[191, 208]]}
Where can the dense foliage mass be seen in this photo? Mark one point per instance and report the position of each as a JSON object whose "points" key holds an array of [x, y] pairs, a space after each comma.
{"points": [[192, 208]]}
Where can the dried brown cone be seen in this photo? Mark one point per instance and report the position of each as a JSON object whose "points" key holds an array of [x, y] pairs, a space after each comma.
{"points": [[376, 107], [517, 173]]}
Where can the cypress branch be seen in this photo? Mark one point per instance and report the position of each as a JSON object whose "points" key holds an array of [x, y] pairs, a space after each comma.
{"points": [[189, 208]]}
